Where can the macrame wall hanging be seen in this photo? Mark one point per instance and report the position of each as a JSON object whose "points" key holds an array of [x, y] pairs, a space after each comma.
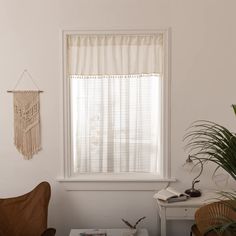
{"points": [[27, 128]]}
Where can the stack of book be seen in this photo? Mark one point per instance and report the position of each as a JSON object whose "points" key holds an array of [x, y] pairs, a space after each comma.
{"points": [[171, 195], [94, 232]]}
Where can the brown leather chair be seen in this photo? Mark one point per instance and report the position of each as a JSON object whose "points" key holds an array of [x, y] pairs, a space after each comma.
{"points": [[26, 215], [212, 215]]}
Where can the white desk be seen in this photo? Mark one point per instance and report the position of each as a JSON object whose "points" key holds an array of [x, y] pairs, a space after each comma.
{"points": [[110, 232], [182, 210]]}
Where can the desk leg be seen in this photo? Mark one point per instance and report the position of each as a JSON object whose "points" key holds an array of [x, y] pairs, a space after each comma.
{"points": [[163, 220]]}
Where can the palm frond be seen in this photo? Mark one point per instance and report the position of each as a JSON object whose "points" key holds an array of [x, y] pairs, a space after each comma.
{"points": [[211, 142], [135, 225], [138, 221], [234, 108], [128, 224]]}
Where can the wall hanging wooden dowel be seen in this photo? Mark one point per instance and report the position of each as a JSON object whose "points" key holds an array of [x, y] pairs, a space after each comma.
{"points": [[12, 91]]}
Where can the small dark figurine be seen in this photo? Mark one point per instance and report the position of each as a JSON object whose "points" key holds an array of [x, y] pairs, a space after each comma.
{"points": [[135, 225]]}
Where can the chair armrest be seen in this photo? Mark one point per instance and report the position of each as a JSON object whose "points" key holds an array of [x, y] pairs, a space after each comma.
{"points": [[49, 232]]}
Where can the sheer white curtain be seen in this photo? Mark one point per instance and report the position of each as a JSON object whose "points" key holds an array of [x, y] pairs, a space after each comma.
{"points": [[115, 102]]}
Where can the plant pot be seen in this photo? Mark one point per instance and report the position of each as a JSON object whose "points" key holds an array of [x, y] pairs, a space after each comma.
{"points": [[129, 232]]}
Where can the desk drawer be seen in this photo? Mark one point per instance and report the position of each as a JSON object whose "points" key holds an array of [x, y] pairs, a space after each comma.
{"points": [[180, 213]]}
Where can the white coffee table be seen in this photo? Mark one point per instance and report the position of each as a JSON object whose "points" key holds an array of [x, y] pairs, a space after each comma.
{"points": [[110, 232]]}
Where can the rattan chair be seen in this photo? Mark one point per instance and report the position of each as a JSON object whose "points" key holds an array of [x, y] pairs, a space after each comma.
{"points": [[26, 215], [212, 215]]}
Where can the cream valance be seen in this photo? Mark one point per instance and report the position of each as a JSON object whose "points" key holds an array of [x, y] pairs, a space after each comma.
{"points": [[94, 55]]}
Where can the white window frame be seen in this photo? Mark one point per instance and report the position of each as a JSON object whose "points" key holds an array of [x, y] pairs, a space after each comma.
{"points": [[165, 120]]}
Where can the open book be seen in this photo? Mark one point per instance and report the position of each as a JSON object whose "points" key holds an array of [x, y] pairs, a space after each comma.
{"points": [[170, 195]]}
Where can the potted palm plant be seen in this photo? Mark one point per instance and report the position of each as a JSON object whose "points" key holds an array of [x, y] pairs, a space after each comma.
{"points": [[211, 142]]}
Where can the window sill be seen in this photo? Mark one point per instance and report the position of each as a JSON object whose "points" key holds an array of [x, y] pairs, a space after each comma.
{"points": [[114, 183]]}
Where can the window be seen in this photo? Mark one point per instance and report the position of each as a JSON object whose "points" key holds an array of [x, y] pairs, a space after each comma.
{"points": [[116, 105]]}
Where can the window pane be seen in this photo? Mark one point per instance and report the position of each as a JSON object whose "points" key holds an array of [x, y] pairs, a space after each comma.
{"points": [[115, 124]]}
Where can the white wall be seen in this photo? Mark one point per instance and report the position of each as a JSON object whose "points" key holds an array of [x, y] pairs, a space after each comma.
{"points": [[203, 87]]}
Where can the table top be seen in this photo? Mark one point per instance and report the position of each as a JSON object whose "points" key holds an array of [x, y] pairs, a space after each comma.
{"points": [[206, 198], [110, 232]]}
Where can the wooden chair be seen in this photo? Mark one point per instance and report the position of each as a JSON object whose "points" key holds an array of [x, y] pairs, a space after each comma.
{"points": [[26, 215], [211, 215]]}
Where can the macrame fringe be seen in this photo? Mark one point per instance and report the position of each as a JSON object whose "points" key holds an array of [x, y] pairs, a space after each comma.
{"points": [[27, 135]]}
